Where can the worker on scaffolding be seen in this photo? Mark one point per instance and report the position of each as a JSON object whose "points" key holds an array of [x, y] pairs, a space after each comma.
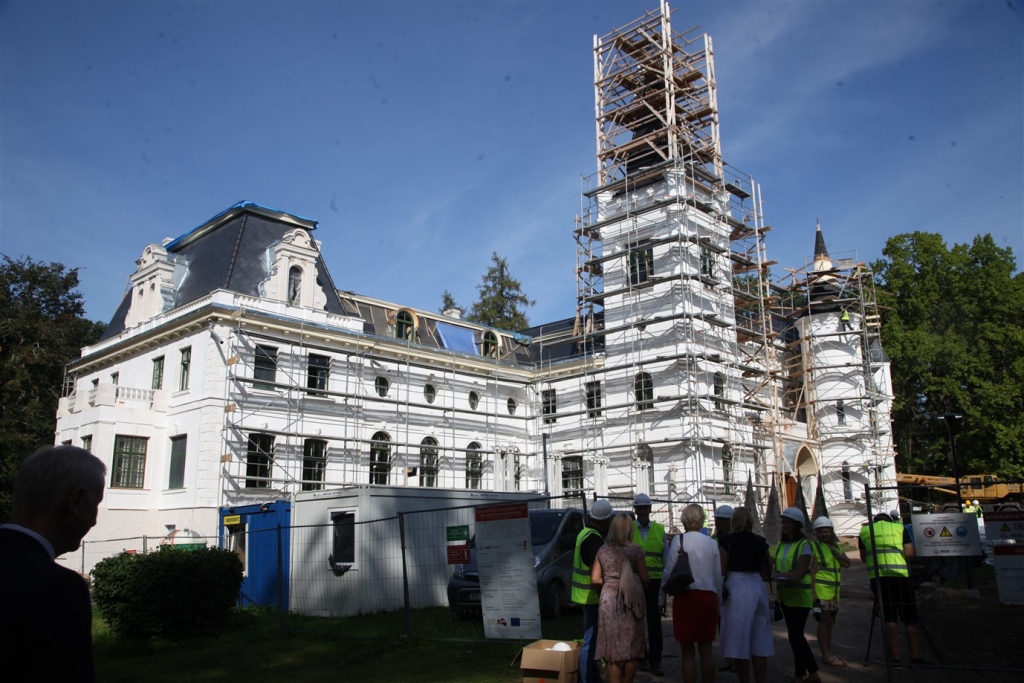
{"points": [[844, 320]]}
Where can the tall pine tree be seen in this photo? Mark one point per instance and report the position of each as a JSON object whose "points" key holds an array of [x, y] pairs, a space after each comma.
{"points": [[42, 328], [502, 302], [448, 302]]}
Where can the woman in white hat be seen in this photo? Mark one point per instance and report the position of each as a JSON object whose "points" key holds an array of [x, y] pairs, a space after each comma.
{"points": [[827, 560], [793, 578]]}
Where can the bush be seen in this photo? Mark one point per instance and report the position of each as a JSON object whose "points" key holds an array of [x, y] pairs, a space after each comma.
{"points": [[171, 593]]}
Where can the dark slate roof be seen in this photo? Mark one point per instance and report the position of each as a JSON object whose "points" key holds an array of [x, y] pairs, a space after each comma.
{"points": [[559, 345], [229, 252]]}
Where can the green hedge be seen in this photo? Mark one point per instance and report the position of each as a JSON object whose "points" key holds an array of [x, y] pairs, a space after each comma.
{"points": [[171, 593]]}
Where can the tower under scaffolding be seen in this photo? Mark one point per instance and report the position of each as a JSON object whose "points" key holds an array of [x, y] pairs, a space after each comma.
{"points": [[672, 274], [837, 377]]}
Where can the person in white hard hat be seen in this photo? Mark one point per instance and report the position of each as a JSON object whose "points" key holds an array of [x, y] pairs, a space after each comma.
{"points": [[723, 520], [792, 566], [827, 560], [651, 537], [588, 542]]}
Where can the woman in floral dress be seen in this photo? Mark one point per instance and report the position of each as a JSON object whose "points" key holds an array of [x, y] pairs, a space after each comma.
{"points": [[620, 633]]}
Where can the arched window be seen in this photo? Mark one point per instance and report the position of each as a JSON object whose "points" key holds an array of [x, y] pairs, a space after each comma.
{"points": [[405, 325], [474, 466], [429, 462], [719, 389], [474, 400], [707, 262], [429, 392], [382, 385], [294, 286], [490, 345], [643, 389], [380, 458], [511, 406]]}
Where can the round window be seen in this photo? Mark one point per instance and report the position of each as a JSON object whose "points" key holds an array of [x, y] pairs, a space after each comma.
{"points": [[381, 384], [429, 393], [511, 406], [474, 400]]}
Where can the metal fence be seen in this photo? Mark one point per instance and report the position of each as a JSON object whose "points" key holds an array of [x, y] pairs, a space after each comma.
{"points": [[351, 567]]}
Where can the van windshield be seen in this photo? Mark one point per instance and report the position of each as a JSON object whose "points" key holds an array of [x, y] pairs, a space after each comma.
{"points": [[544, 525]]}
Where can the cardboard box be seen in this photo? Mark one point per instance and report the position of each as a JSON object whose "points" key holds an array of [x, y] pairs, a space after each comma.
{"points": [[541, 664]]}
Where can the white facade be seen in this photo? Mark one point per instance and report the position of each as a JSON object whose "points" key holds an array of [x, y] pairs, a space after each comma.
{"points": [[680, 377]]}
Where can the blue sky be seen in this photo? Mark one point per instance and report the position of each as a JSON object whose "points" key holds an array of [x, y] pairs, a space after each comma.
{"points": [[425, 135]]}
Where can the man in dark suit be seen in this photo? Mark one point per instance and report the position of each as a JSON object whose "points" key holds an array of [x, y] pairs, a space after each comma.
{"points": [[45, 611]]}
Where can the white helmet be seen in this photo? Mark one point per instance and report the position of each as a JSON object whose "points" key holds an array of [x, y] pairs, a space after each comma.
{"points": [[823, 523], [601, 510], [976, 503], [794, 515]]}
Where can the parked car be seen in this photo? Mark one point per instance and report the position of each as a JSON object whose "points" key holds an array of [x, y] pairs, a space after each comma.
{"points": [[553, 534]]}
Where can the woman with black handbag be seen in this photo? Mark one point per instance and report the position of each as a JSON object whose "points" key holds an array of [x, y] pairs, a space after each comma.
{"points": [[746, 618], [695, 609]]}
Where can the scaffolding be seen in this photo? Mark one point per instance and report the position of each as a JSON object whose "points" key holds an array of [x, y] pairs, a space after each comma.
{"points": [[843, 397], [662, 194]]}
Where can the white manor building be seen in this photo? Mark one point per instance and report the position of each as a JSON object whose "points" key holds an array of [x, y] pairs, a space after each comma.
{"points": [[235, 372]]}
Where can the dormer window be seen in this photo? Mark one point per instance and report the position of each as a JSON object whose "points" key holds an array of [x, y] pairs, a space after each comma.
{"points": [[489, 347], [294, 286], [405, 325]]}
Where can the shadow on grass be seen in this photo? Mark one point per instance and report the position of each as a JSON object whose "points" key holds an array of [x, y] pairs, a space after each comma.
{"points": [[370, 647]]}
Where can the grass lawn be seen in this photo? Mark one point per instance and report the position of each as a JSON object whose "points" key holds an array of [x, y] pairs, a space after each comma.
{"points": [[369, 648]]}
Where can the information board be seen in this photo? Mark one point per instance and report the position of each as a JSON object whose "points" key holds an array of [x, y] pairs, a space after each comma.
{"points": [[1005, 530], [946, 535], [508, 584]]}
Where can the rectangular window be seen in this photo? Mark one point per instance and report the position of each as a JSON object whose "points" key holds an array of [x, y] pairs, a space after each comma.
{"points": [[707, 262], [841, 412], [344, 546], [87, 443], [317, 374], [259, 461], [572, 475], [186, 366], [158, 373], [847, 483], [176, 478], [237, 545], [265, 368], [594, 399], [641, 262], [549, 406], [727, 468], [129, 466], [474, 468], [314, 464]]}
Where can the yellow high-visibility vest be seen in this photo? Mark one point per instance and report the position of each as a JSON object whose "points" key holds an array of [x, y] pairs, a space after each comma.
{"points": [[583, 593], [654, 548]]}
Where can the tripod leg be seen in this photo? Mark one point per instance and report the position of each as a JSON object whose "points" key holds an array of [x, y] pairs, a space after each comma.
{"points": [[871, 630]]}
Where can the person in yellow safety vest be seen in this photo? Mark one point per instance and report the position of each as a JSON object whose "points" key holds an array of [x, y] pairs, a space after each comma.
{"points": [[651, 537], [969, 509], [792, 565], [845, 320], [588, 542], [886, 559], [827, 561]]}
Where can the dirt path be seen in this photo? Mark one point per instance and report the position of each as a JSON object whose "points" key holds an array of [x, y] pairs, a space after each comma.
{"points": [[965, 632]]}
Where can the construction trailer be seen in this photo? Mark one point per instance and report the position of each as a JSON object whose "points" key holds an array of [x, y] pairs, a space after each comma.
{"points": [[348, 546]]}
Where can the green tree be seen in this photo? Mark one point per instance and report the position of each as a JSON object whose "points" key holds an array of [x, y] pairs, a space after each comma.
{"points": [[953, 325], [502, 302], [42, 328], [448, 302]]}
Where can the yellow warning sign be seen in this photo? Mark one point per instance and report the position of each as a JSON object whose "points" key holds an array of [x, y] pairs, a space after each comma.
{"points": [[1005, 528], [945, 533]]}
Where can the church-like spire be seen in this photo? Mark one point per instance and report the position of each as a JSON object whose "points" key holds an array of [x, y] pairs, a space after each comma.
{"points": [[821, 260]]}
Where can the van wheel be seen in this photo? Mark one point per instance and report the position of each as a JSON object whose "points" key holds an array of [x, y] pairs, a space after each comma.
{"points": [[553, 601]]}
